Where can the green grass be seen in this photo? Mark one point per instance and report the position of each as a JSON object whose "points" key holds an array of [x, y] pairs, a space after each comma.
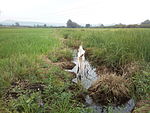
{"points": [[26, 41], [21, 51], [59, 55], [121, 45], [116, 49], [21, 60]]}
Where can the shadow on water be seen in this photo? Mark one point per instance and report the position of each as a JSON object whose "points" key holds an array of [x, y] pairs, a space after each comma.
{"points": [[86, 74]]}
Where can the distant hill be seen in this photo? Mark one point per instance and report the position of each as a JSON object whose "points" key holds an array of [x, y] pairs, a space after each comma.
{"points": [[29, 23]]}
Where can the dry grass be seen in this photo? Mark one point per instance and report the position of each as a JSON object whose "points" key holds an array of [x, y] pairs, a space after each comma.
{"points": [[127, 70], [62, 64], [142, 106], [110, 89]]}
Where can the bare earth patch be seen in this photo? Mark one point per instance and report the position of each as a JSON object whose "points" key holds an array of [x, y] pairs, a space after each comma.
{"points": [[62, 64]]}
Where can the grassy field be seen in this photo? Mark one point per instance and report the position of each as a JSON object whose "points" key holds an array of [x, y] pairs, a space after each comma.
{"points": [[116, 49], [24, 72], [32, 80]]}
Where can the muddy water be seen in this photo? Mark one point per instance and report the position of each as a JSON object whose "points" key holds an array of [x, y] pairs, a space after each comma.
{"points": [[86, 77]]}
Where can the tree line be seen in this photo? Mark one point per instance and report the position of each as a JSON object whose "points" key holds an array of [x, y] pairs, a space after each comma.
{"points": [[71, 24], [144, 24]]}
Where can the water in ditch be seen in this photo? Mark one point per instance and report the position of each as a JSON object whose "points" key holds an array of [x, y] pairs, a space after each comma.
{"points": [[86, 75]]}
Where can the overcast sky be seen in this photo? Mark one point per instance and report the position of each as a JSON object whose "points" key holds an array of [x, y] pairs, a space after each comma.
{"points": [[80, 11]]}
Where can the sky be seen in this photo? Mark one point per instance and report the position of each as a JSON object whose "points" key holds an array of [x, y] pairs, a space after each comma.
{"points": [[80, 11]]}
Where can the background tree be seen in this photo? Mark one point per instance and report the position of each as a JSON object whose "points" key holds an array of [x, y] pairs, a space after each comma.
{"points": [[101, 25], [146, 22], [17, 24], [71, 24], [45, 25], [87, 25]]}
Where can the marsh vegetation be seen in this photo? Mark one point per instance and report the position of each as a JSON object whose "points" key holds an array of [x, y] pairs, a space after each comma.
{"points": [[33, 62]]}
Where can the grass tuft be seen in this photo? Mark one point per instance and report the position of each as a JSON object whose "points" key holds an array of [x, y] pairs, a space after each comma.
{"points": [[110, 89]]}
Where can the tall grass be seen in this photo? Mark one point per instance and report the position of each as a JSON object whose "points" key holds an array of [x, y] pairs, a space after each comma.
{"points": [[26, 41], [19, 49], [20, 61], [121, 45], [116, 49]]}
